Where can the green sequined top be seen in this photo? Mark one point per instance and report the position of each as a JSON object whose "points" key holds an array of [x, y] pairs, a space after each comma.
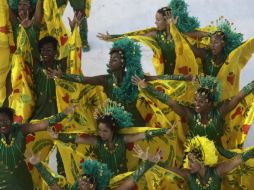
{"points": [[115, 159], [138, 121], [45, 90], [168, 51], [209, 67], [213, 130], [14, 172], [212, 178]]}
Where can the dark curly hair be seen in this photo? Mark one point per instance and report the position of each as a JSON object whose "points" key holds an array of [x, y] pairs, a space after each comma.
{"points": [[164, 10], [8, 111], [110, 123], [47, 40]]}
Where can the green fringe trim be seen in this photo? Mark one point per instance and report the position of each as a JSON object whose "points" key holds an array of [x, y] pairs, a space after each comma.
{"points": [[99, 171], [128, 92], [233, 39]]}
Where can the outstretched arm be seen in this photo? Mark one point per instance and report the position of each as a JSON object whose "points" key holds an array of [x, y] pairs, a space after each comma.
{"points": [[110, 37], [147, 135], [181, 110], [95, 80], [73, 138], [38, 12], [170, 77], [197, 34], [230, 105], [225, 167], [42, 126], [34, 159], [184, 173]]}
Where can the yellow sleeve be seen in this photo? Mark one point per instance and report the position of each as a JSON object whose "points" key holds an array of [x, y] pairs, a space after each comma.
{"points": [[229, 74]]}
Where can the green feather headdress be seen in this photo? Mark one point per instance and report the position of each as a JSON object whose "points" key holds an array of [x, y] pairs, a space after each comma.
{"points": [[185, 23], [128, 92], [98, 171], [232, 38], [211, 84], [122, 118]]}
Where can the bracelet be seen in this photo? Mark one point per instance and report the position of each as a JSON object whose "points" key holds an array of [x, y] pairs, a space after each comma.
{"points": [[157, 94], [149, 134], [56, 118], [45, 174], [67, 138]]}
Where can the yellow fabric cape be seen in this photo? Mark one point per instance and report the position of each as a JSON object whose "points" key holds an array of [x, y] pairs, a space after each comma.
{"points": [[185, 59], [4, 48]]}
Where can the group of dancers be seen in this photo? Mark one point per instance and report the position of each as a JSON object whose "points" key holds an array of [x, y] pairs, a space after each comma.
{"points": [[181, 129]]}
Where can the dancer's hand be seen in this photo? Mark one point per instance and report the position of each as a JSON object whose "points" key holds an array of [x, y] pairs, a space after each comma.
{"points": [[77, 19], [52, 133], [173, 127], [54, 73], [138, 81], [189, 77], [140, 153], [33, 158], [70, 109], [105, 37], [144, 155], [24, 19]]}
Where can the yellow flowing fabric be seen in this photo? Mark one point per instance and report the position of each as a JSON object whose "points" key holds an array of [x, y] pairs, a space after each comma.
{"points": [[4, 48], [185, 59], [87, 97], [238, 124], [88, 7], [22, 97], [72, 156], [53, 25], [157, 114], [229, 74]]}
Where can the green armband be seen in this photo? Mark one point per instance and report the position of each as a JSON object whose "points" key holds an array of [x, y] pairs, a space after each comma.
{"points": [[45, 174], [157, 94], [116, 35], [172, 77], [83, 29], [73, 78], [139, 172], [56, 118], [67, 138], [247, 155], [248, 88], [153, 133]]}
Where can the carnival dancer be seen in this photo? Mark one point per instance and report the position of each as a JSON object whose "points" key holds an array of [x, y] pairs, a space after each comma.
{"points": [[207, 118], [165, 40], [110, 146], [95, 175], [14, 172]]}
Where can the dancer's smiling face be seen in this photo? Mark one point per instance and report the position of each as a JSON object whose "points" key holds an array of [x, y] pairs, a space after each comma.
{"points": [[5, 124]]}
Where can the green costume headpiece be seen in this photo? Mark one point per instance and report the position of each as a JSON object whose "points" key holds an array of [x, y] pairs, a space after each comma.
{"points": [[122, 118], [203, 150], [131, 54], [209, 86], [96, 172], [229, 35], [185, 23]]}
